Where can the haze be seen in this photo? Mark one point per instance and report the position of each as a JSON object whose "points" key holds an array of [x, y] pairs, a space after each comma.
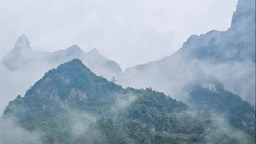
{"points": [[129, 32]]}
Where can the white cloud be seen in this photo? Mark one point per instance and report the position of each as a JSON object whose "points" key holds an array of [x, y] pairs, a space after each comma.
{"points": [[11, 133]]}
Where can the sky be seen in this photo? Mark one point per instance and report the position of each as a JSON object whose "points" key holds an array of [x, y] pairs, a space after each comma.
{"points": [[129, 32]]}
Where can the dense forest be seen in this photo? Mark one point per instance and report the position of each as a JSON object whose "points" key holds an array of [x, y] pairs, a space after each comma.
{"points": [[71, 104]]}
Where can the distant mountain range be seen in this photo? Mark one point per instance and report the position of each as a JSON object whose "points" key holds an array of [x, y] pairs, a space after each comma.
{"points": [[22, 56]]}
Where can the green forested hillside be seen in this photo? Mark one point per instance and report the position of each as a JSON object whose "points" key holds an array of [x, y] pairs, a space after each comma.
{"points": [[240, 114], [71, 105]]}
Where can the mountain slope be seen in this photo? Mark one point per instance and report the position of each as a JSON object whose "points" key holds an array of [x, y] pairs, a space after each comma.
{"points": [[214, 98]]}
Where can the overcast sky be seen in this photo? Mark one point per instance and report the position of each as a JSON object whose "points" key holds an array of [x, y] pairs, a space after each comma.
{"points": [[128, 31]]}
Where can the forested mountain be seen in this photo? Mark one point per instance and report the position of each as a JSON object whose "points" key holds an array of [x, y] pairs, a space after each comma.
{"points": [[70, 104]]}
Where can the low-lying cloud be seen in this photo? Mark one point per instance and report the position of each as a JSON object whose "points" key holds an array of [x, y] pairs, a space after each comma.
{"points": [[172, 76], [11, 133]]}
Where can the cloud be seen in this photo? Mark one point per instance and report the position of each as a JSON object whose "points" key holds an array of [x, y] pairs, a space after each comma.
{"points": [[222, 132], [217, 129], [83, 127], [172, 75], [14, 83], [11, 133]]}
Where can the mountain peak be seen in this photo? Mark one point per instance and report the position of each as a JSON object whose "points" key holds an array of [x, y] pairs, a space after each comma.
{"points": [[20, 55], [73, 63], [22, 42], [74, 67], [70, 85], [74, 49]]}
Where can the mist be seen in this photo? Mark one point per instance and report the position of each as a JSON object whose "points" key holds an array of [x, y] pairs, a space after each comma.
{"points": [[11, 133], [14, 83], [118, 29], [224, 56], [173, 76], [77, 125]]}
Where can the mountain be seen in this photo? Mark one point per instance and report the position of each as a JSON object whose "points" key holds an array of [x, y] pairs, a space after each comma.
{"points": [[72, 105], [213, 74], [22, 66], [228, 56], [235, 44], [22, 57]]}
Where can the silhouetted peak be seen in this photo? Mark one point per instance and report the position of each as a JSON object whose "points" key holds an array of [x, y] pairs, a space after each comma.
{"points": [[22, 42], [74, 49], [75, 63], [75, 68], [20, 55]]}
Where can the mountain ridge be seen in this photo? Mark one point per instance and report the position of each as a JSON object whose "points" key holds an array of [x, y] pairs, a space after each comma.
{"points": [[229, 56]]}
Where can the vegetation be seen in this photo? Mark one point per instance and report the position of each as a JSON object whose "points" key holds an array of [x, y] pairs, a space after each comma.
{"points": [[71, 105], [240, 114]]}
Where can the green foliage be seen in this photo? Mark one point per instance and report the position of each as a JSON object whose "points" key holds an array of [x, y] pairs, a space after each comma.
{"points": [[240, 114], [71, 105]]}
